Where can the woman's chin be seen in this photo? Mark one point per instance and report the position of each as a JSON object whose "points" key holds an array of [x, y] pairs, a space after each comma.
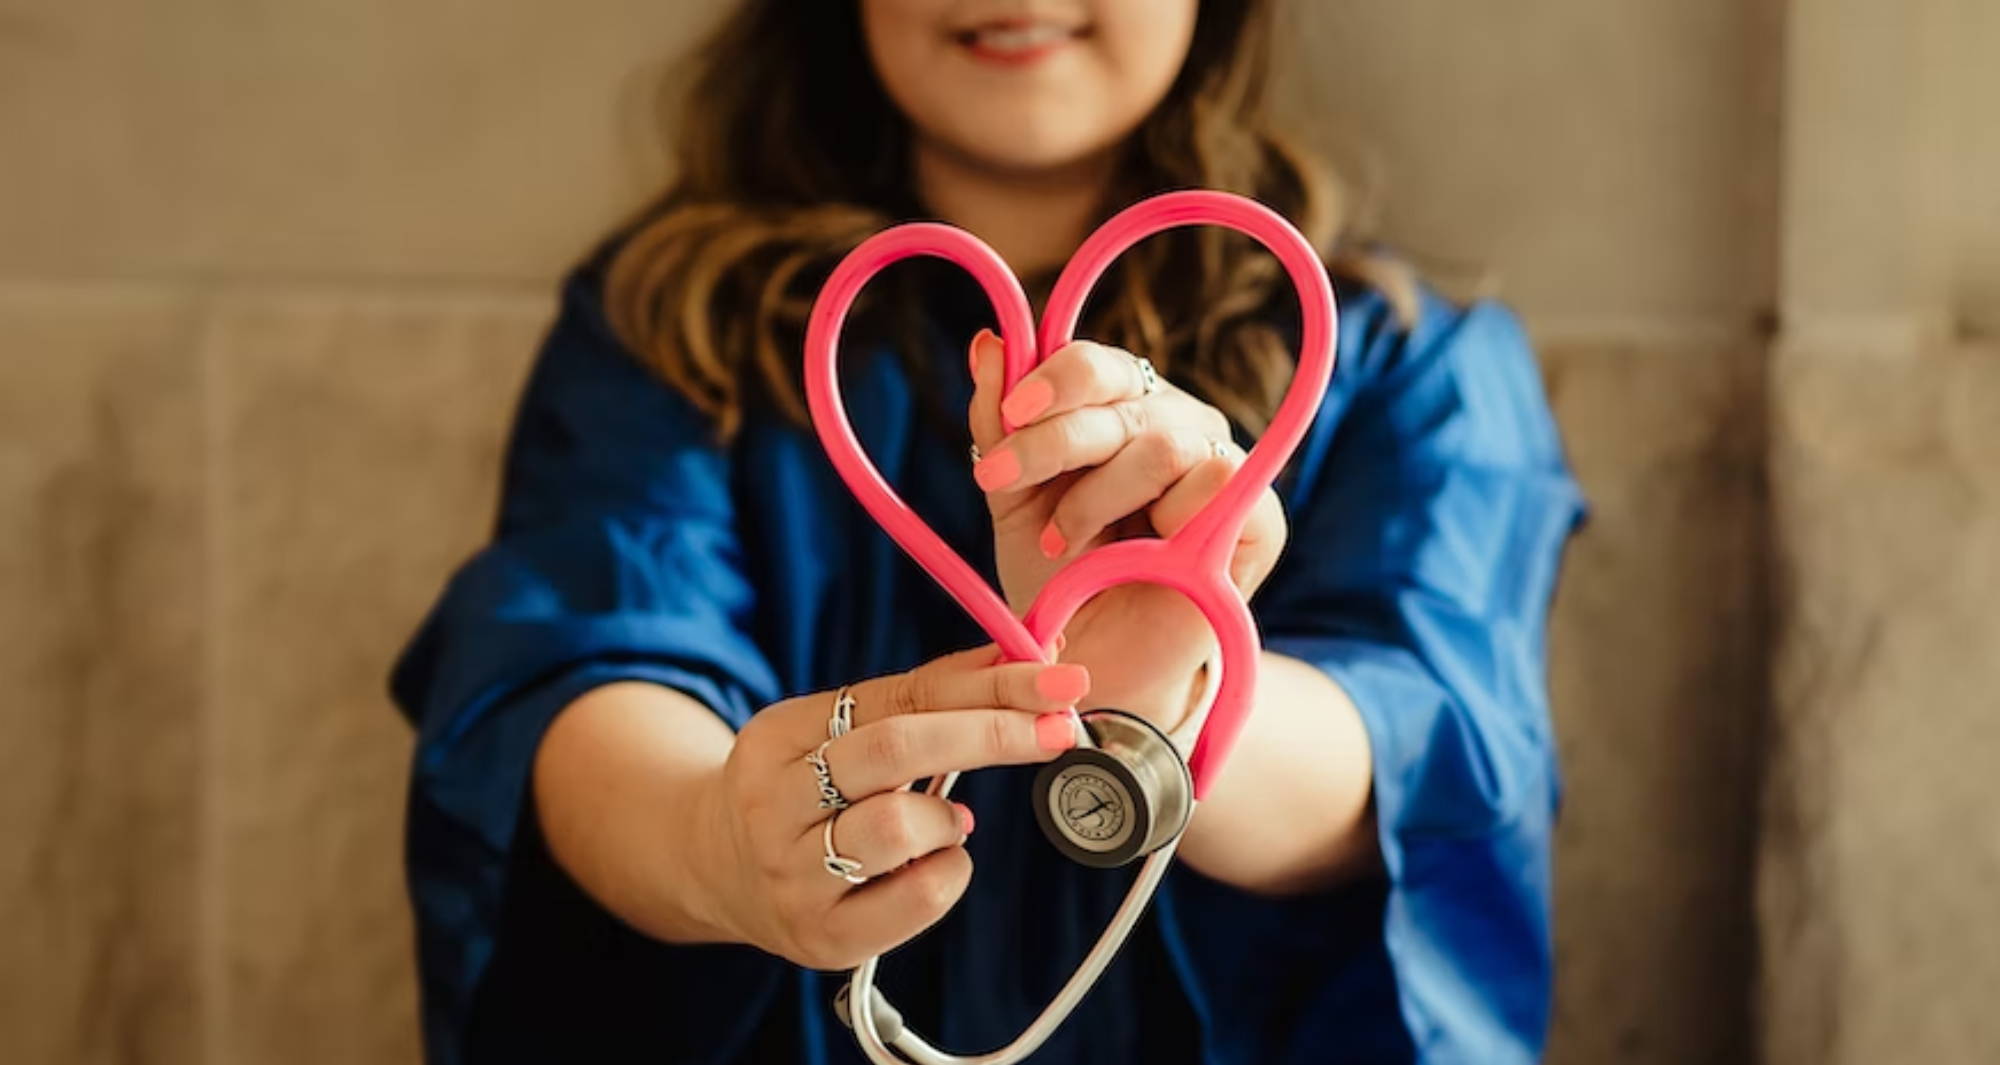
{"points": [[1028, 155]]}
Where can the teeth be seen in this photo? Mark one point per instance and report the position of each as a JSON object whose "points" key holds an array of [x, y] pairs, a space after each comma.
{"points": [[1021, 38]]}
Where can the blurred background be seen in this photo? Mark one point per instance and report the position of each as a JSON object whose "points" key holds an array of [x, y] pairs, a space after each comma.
{"points": [[270, 274]]}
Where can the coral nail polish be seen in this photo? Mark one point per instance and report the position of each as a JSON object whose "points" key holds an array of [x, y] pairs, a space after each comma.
{"points": [[997, 471], [1065, 683], [1029, 398], [1052, 542], [1054, 731]]}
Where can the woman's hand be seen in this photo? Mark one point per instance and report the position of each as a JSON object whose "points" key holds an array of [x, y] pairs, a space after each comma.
{"points": [[763, 848], [1094, 458]]}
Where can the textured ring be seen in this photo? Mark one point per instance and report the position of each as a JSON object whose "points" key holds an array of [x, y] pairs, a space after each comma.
{"points": [[1149, 379], [842, 721], [973, 450], [837, 864], [830, 797]]}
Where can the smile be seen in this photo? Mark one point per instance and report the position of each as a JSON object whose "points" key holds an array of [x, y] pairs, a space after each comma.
{"points": [[1018, 42]]}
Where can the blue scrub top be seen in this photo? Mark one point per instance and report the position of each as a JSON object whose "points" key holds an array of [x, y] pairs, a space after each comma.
{"points": [[1429, 509]]}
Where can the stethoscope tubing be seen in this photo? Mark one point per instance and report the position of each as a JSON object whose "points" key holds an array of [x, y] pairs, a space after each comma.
{"points": [[861, 988], [1194, 561]]}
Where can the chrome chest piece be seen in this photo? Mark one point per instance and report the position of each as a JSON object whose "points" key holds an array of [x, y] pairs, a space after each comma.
{"points": [[1123, 797]]}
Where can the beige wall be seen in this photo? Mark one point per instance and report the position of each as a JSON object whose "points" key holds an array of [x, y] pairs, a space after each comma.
{"points": [[315, 140], [1881, 835], [269, 274]]}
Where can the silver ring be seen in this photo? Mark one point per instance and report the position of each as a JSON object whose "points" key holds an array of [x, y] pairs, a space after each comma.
{"points": [[837, 864], [973, 450], [842, 721], [830, 797], [1149, 380]]}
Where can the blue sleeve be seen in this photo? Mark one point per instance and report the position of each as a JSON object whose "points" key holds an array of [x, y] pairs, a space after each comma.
{"points": [[615, 558], [1430, 507]]}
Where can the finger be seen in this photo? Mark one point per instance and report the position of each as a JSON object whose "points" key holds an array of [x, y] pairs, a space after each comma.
{"points": [[962, 680], [1068, 441], [1263, 539], [967, 680], [1143, 471], [986, 357], [1081, 373], [1089, 436], [886, 831], [894, 751], [1197, 489], [887, 912], [1263, 532]]}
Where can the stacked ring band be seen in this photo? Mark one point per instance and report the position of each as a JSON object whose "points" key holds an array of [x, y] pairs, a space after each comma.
{"points": [[842, 721], [836, 864], [830, 797]]}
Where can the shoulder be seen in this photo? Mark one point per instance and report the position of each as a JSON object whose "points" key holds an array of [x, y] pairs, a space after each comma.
{"points": [[581, 317], [596, 429], [1463, 373], [1380, 339], [584, 362]]}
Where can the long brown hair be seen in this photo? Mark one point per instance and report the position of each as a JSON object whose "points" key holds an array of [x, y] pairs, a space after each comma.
{"points": [[789, 153]]}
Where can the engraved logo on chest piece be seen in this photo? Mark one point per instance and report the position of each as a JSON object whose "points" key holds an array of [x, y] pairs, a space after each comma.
{"points": [[1093, 806]]}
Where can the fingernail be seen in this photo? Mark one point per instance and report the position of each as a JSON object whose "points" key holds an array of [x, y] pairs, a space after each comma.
{"points": [[1052, 541], [1054, 732], [1061, 642], [997, 471], [979, 340], [964, 819], [1064, 683], [1029, 398]]}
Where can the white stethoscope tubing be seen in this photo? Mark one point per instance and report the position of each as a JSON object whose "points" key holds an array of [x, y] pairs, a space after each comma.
{"points": [[861, 984], [861, 988]]}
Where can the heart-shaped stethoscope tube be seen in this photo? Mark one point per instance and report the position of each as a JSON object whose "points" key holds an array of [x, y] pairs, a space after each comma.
{"points": [[1195, 560]]}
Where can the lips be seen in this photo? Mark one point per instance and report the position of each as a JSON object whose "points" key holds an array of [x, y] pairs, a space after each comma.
{"points": [[1018, 41]]}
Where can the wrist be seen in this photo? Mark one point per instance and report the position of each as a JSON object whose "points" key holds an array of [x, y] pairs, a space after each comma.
{"points": [[1176, 703], [707, 864], [623, 783]]}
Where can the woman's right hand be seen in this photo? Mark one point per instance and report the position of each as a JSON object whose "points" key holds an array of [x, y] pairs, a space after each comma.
{"points": [[761, 847]]}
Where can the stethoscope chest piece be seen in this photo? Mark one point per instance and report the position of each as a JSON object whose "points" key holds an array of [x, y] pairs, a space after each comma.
{"points": [[1123, 797]]}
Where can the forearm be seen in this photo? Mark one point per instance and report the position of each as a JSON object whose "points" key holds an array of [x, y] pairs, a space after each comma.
{"points": [[619, 781], [1290, 811]]}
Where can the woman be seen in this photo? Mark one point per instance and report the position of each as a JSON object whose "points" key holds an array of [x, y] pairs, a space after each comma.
{"points": [[614, 845]]}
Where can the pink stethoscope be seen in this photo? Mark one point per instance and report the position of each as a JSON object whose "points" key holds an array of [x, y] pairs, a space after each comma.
{"points": [[1126, 792]]}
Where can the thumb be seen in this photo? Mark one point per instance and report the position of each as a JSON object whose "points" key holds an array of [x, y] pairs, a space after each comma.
{"points": [[986, 359]]}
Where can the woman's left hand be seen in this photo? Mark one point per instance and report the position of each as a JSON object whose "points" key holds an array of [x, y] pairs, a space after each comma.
{"points": [[1095, 458]]}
